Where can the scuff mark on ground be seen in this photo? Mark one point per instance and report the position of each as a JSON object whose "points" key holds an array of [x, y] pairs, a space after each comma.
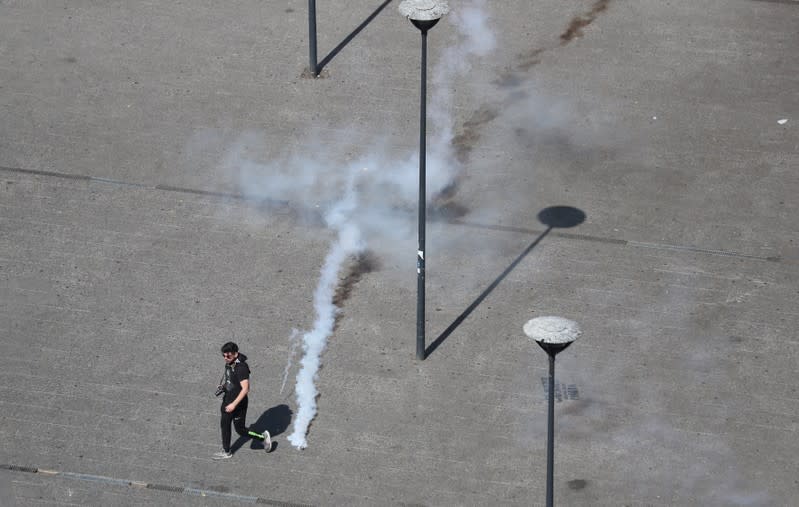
{"points": [[575, 28]]}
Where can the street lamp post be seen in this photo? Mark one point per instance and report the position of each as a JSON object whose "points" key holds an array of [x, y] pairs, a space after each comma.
{"points": [[424, 14], [312, 60], [553, 334]]}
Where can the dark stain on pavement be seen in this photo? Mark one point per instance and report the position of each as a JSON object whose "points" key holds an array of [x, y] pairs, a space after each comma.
{"points": [[575, 28], [447, 211], [443, 205], [530, 58], [515, 77], [366, 262], [470, 132], [469, 135], [577, 484], [577, 407]]}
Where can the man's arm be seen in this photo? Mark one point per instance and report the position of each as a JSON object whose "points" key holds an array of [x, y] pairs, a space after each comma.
{"points": [[245, 388]]}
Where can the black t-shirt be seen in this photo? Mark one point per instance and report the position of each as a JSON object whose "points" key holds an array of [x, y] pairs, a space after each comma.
{"points": [[234, 374]]}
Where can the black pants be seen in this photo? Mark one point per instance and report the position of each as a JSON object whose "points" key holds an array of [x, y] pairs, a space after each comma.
{"points": [[236, 417]]}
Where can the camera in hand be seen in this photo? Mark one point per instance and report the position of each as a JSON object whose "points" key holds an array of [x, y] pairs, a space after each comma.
{"points": [[219, 390]]}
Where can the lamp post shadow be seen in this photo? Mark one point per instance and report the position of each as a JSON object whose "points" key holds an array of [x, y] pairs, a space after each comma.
{"points": [[560, 217], [336, 50]]}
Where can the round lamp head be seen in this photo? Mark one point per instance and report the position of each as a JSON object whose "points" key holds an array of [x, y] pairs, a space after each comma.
{"points": [[553, 334], [424, 14]]}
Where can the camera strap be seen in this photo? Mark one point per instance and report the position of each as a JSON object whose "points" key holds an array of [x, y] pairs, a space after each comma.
{"points": [[225, 376]]}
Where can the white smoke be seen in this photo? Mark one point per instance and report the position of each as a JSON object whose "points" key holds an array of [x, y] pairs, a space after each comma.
{"points": [[475, 39], [377, 202], [293, 342], [348, 243]]}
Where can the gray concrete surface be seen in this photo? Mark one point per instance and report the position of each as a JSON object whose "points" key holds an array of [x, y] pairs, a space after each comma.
{"points": [[125, 259]]}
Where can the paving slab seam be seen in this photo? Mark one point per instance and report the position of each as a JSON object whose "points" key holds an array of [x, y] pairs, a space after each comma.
{"points": [[726, 253], [582, 237], [167, 188], [146, 485]]}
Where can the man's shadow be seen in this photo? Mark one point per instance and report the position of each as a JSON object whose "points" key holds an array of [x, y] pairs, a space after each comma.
{"points": [[274, 420]]}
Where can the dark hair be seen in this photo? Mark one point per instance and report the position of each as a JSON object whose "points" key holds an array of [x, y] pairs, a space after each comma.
{"points": [[230, 347]]}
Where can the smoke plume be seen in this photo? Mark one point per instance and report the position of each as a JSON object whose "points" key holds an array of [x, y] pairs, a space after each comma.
{"points": [[313, 342], [293, 342], [367, 199]]}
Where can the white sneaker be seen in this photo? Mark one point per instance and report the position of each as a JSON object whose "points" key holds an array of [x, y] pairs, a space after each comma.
{"points": [[267, 441], [222, 455]]}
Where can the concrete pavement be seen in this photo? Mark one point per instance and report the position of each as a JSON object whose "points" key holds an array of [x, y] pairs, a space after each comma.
{"points": [[127, 255]]}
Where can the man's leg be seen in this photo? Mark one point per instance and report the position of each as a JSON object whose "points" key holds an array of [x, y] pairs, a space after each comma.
{"points": [[265, 437], [239, 418], [241, 428], [224, 423]]}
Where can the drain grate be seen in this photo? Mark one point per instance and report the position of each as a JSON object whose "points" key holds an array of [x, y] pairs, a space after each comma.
{"points": [[562, 391]]}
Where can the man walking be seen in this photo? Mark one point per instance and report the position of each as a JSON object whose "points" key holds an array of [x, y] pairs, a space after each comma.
{"points": [[236, 386]]}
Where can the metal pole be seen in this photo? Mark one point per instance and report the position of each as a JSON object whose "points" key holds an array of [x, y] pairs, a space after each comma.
{"points": [[551, 434], [420, 345], [312, 65]]}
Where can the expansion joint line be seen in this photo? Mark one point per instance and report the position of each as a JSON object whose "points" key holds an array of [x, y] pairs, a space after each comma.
{"points": [[147, 485], [237, 196]]}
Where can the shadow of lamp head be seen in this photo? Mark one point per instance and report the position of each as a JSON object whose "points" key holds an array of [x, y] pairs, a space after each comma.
{"points": [[553, 334], [424, 14], [561, 217]]}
